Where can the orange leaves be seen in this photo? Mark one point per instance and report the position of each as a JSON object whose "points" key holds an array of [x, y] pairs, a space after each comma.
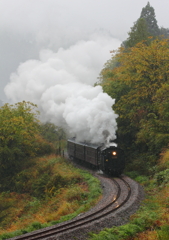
{"points": [[148, 235]]}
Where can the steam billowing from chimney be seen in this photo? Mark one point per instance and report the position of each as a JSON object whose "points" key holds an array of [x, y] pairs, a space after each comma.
{"points": [[61, 84]]}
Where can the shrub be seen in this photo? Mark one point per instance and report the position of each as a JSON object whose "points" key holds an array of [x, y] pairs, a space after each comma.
{"points": [[162, 177], [163, 233]]}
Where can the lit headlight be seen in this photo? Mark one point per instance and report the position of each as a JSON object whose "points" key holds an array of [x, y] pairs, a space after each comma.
{"points": [[114, 153]]}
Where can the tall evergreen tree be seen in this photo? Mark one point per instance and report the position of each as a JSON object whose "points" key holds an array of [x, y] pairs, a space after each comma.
{"points": [[144, 27], [148, 14], [138, 33]]}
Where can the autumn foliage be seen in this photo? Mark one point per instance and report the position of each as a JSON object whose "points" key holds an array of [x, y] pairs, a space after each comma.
{"points": [[48, 192], [20, 139], [139, 81], [138, 78]]}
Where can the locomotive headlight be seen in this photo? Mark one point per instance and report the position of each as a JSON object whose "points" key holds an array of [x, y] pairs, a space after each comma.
{"points": [[114, 153]]}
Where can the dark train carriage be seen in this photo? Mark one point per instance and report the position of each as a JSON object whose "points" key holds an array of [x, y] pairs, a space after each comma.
{"points": [[109, 160], [80, 152], [92, 154], [76, 150], [71, 148], [83, 152]]}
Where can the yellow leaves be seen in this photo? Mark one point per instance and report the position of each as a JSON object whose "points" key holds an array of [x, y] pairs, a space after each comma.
{"points": [[163, 162], [144, 65], [145, 59]]}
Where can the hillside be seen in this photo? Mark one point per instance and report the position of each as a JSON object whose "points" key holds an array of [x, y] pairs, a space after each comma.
{"points": [[48, 192]]}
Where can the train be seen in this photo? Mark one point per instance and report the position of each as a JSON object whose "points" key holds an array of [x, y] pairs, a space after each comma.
{"points": [[110, 160]]}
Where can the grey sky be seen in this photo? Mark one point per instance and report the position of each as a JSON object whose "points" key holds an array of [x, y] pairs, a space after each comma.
{"points": [[27, 26]]}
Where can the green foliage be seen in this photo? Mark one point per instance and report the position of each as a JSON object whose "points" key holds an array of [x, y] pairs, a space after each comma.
{"points": [[42, 184], [138, 33], [46, 181], [54, 135], [163, 233], [20, 140], [18, 127], [145, 29], [39, 185], [142, 179], [54, 184], [34, 226], [162, 178], [4, 206], [51, 132], [148, 14], [164, 32]]}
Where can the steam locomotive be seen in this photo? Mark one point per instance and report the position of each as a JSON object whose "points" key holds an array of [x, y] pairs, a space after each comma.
{"points": [[110, 160]]}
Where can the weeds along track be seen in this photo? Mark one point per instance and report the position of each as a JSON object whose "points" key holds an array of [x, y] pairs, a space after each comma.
{"points": [[119, 195]]}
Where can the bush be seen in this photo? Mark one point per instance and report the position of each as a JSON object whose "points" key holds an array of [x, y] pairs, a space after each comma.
{"points": [[163, 233], [19, 125], [43, 146], [162, 177]]}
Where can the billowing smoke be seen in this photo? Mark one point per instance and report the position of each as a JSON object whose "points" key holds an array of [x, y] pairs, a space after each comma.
{"points": [[61, 84]]}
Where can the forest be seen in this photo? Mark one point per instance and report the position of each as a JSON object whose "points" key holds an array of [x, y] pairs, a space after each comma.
{"points": [[137, 77]]}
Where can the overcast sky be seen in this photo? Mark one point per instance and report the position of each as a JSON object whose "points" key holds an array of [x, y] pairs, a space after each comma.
{"points": [[67, 27]]}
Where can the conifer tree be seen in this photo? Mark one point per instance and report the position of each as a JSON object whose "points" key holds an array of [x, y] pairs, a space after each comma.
{"points": [[146, 26], [148, 14], [138, 33]]}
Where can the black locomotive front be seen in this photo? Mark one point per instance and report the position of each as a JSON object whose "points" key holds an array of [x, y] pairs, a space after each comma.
{"points": [[112, 160]]}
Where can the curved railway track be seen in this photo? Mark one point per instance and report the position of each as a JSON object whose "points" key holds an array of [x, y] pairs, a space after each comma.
{"points": [[120, 193]]}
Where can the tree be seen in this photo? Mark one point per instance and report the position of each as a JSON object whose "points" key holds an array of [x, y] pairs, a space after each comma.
{"points": [[142, 106], [138, 33], [18, 129], [164, 32], [144, 28], [148, 14], [51, 132]]}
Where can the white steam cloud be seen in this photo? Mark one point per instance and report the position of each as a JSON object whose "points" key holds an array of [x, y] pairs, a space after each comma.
{"points": [[61, 84]]}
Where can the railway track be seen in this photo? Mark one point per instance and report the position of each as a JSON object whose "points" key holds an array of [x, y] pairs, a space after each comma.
{"points": [[119, 194]]}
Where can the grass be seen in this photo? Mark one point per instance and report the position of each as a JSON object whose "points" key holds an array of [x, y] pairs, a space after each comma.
{"points": [[47, 193]]}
